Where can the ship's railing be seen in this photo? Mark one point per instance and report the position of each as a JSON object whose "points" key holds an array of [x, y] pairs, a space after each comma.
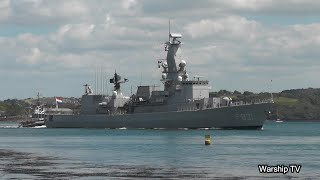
{"points": [[200, 105], [244, 103], [59, 111]]}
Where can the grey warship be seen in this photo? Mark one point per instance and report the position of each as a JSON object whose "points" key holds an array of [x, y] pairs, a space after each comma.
{"points": [[183, 103]]}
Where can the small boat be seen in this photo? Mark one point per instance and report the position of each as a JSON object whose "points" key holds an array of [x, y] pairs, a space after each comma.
{"points": [[278, 119], [39, 113], [37, 117]]}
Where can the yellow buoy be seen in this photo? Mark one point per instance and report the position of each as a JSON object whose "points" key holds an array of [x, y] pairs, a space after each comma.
{"points": [[207, 140]]}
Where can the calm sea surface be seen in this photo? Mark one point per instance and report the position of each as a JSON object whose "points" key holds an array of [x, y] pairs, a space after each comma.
{"points": [[31, 153]]}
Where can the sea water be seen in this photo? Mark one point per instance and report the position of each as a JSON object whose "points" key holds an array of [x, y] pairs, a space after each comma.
{"points": [[31, 153]]}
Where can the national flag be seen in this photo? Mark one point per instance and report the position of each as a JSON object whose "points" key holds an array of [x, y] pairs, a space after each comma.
{"points": [[59, 99]]}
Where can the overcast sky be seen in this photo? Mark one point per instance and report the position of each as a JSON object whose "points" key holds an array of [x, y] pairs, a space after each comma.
{"points": [[56, 46]]}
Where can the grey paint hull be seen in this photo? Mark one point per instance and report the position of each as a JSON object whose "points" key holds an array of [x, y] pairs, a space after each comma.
{"points": [[235, 117]]}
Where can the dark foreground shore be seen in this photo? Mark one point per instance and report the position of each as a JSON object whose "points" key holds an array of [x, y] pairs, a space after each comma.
{"points": [[21, 165]]}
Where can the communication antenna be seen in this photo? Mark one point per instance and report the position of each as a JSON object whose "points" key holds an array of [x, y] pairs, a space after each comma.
{"points": [[169, 30], [106, 84], [271, 91], [95, 81], [97, 70], [38, 98], [101, 79], [140, 77]]}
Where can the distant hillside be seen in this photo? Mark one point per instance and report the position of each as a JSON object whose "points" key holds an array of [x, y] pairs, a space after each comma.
{"points": [[15, 107], [295, 104], [12, 107]]}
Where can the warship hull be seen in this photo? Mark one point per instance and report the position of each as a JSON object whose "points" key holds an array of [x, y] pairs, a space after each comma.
{"points": [[235, 117]]}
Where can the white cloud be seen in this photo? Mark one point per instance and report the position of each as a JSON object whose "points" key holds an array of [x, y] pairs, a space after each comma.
{"points": [[127, 4], [43, 12], [109, 19], [72, 8], [252, 5], [270, 7], [245, 4], [232, 27], [4, 10], [230, 49], [80, 31], [246, 53], [33, 56]]}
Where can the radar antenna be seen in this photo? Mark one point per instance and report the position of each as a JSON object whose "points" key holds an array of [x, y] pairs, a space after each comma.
{"points": [[116, 80]]}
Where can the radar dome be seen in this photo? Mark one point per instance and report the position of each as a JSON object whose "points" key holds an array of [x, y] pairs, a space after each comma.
{"points": [[179, 78], [164, 76], [114, 93], [165, 64], [182, 63], [226, 99]]}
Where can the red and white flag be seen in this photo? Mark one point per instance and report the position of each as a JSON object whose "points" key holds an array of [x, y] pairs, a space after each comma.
{"points": [[59, 99]]}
